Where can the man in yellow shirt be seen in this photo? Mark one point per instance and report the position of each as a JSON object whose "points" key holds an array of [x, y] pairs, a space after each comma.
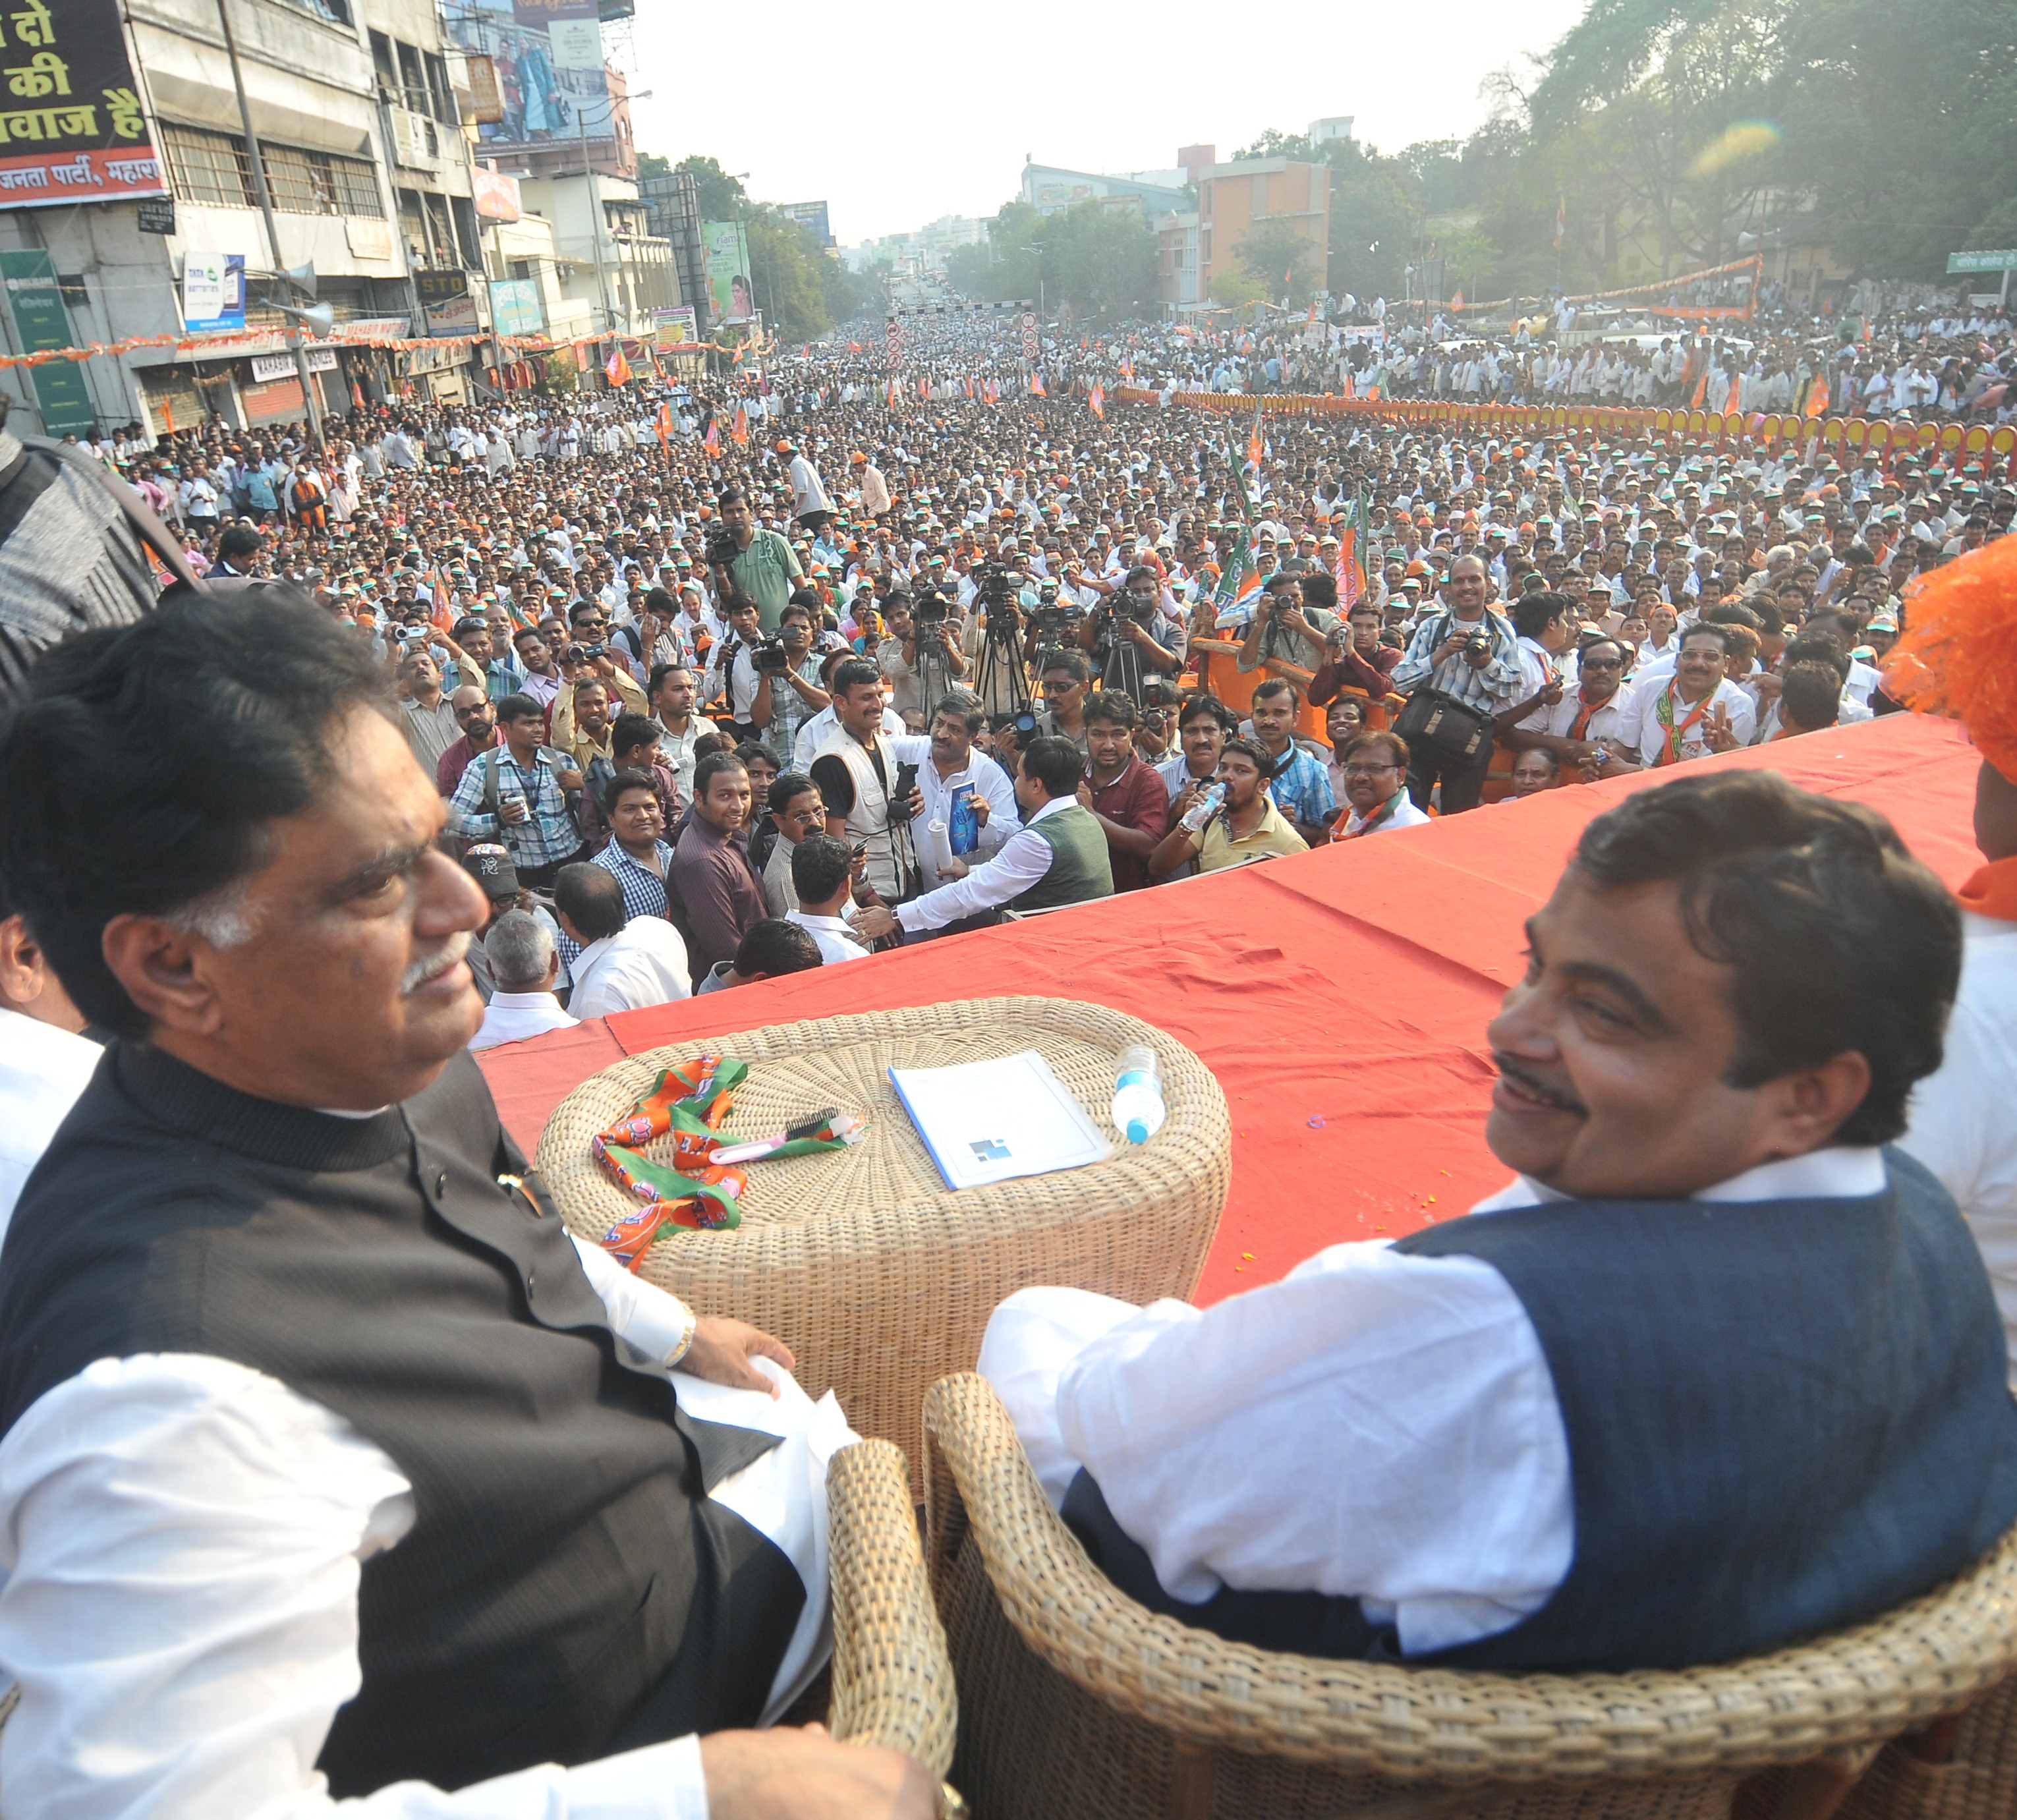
{"points": [[1245, 826]]}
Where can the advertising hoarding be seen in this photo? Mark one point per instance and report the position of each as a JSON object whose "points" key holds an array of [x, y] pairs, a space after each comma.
{"points": [[812, 216], [546, 58], [515, 308], [729, 292], [71, 126], [213, 291], [42, 320]]}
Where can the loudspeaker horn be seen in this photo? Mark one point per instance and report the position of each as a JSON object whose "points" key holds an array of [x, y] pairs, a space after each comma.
{"points": [[302, 277]]}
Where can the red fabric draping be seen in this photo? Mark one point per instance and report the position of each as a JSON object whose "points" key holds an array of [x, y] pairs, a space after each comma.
{"points": [[1339, 997]]}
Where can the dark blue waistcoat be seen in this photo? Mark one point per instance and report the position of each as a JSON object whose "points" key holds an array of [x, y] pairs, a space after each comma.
{"points": [[1783, 1417]]}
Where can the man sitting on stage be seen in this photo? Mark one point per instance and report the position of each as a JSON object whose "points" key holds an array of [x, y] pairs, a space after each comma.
{"points": [[1715, 1373], [329, 1460]]}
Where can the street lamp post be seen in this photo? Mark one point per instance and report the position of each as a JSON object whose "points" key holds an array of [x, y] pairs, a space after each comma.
{"points": [[292, 332]]}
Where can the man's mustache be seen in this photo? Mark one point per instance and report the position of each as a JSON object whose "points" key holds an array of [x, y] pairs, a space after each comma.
{"points": [[433, 965], [1536, 1085]]}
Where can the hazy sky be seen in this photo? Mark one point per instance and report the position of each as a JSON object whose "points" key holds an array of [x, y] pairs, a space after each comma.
{"points": [[902, 110]]}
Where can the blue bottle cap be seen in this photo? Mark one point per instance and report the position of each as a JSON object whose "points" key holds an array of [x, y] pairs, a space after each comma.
{"points": [[1137, 1131]]}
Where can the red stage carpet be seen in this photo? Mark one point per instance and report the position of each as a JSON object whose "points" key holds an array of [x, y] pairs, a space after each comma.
{"points": [[1340, 997]]}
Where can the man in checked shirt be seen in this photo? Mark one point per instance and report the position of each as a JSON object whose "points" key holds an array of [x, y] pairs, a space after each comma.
{"points": [[522, 793], [1469, 651]]}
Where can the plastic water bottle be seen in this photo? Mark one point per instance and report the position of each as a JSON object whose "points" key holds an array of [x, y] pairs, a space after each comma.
{"points": [[1204, 808], [1138, 1096]]}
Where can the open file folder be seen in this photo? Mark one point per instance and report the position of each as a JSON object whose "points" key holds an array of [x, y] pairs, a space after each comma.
{"points": [[991, 1121]]}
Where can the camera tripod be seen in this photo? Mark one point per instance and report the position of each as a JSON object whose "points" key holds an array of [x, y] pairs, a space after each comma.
{"points": [[1002, 663]]}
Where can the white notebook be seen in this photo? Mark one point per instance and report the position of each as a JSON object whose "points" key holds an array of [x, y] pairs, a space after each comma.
{"points": [[991, 1121]]}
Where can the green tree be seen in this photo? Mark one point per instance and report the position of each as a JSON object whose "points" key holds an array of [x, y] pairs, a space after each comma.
{"points": [[787, 264], [722, 196], [1281, 261]]}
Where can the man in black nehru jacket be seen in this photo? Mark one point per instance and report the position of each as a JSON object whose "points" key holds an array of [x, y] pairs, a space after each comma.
{"points": [[326, 1456]]}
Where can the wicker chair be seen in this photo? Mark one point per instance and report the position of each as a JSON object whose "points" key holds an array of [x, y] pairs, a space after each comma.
{"points": [[1079, 1705], [876, 1276], [891, 1682]]}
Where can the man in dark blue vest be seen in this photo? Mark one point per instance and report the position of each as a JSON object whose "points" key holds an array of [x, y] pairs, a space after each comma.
{"points": [[1719, 1371], [329, 1460]]}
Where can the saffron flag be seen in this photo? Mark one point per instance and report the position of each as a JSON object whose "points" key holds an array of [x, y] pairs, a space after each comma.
{"points": [[1036, 386], [1351, 574], [1736, 398], [1818, 396], [1096, 399], [1255, 448], [617, 367], [712, 441], [665, 426]]}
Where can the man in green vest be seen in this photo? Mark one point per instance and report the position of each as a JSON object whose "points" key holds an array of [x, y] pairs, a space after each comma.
{"points": [[1059, 856]]}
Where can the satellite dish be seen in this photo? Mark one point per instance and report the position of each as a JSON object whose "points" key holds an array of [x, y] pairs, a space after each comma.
{"points": [[321, 318], [302, 277]]}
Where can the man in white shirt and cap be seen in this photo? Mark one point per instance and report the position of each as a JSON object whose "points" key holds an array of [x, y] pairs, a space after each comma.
{"points": [[329, 1460], [1715, 1373], [525, 962], [626, 963]]}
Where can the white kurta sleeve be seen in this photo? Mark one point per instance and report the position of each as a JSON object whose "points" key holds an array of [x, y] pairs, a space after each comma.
{"points": [[650, 1320], [1376, 1424], [182, 1540]]}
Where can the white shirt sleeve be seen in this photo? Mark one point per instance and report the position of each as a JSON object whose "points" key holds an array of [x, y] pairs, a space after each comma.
{"points": [[650, 1320], [182, 1538], [1024, 858], [1442, 1495]]}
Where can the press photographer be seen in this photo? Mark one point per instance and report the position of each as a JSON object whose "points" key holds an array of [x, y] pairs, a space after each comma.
{"points": [[733, 677], [921, 653], [993, 635], [788, 690], [759, 565], [871, 797], [1130, 637]]}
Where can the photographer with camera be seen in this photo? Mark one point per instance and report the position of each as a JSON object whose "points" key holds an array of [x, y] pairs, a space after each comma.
{"points": [[920, 655], [1130, 637], [1460, 673], [993, 635], [789, 692], [752, 563], [1284, 627], [871, 794], [733, 677]]}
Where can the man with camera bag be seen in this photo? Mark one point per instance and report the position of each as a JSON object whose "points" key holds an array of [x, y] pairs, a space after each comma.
{"points": [[869, 800], [733, 678], [1461, 670]]}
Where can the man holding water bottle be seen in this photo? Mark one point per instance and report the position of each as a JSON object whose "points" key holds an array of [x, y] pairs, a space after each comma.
{"points": [[522, 792]]}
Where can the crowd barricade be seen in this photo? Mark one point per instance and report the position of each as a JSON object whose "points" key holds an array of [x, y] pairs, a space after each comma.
{"points": [[1833, 434]]}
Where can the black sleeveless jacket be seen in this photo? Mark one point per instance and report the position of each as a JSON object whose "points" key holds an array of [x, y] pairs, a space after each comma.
{"points": [[567, 1589]]}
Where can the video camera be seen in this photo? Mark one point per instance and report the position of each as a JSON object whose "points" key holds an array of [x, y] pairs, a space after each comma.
{"points": [[930, 609], [771, 655], [722, 549], [1051, 618]]}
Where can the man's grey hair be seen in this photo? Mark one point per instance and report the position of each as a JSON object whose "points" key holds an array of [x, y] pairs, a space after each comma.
{"points": [[520, 948]]}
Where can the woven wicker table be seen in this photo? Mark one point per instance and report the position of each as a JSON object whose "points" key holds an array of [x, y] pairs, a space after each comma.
{"points": [[877, 1277], [1075, 1703]]}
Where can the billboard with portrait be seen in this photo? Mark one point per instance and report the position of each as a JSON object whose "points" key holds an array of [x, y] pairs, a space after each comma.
{"points": [[731, 296], [547, 59]]}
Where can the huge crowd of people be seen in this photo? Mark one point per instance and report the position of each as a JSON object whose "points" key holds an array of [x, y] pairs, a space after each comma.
{"points": [[896, 609], [331, 1466]]}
